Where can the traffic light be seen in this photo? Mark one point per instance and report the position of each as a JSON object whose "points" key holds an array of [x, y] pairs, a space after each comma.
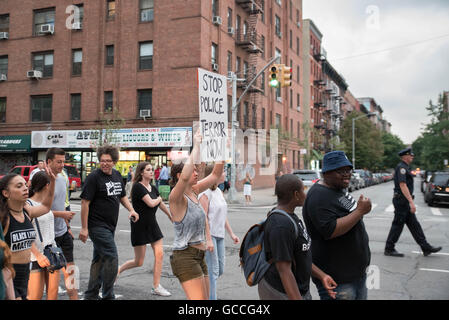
{"points": [[275, 75], [286, 76]]}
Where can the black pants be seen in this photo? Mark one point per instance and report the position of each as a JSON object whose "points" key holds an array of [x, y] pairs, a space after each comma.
{"points": [[402, 215]]}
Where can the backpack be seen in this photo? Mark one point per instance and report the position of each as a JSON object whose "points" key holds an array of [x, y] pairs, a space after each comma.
{"points": [[252, 250]]}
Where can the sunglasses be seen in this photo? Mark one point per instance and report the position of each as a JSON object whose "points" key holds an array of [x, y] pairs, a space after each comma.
{"points": [[344, 171]]}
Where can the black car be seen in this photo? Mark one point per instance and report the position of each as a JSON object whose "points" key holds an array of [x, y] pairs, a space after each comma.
{"points": [[437, 189]]}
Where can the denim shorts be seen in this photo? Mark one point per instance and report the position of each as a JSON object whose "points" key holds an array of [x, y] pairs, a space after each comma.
{"points": [[188, 264]]}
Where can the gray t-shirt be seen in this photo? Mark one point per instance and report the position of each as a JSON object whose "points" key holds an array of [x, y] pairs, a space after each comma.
{"points": [[59, 204]]}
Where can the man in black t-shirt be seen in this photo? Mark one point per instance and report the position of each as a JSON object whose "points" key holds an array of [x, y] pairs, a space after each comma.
{"points": [[289, 274], [334, 220], [103, 191]]}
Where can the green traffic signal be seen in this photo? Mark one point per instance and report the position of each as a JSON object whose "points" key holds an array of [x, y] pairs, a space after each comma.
{"points": [[274, 81]]}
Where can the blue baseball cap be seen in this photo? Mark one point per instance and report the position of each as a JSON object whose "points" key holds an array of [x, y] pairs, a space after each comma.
{"points": [[334, 160]]}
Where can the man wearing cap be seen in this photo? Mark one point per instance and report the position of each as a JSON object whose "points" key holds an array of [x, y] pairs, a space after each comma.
{"points": [[405, 209], [334, 221]]}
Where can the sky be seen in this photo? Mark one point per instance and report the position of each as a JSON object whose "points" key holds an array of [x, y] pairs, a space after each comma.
{"points": [[402, 79]]}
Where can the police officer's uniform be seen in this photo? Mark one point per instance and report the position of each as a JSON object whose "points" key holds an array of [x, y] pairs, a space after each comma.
{"points": [[402, 214]]}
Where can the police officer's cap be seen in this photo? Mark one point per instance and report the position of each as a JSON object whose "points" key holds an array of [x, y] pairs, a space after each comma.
{"points": [[407, 151]]}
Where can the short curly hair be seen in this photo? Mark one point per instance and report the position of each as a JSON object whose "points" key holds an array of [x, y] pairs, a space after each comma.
{"points": [[113, 151]]}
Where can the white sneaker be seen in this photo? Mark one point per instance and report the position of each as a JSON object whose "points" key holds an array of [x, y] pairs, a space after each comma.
{"points": [[160, 291]]}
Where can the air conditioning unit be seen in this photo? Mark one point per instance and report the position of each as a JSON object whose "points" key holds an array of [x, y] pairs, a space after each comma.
{"points": [[216, 20], [298, 24], [231, 31], [298, 108], [215, 66], [3, 77], [34, 74], [76, 26], [47, 29], [145, 113], [4, 35]]}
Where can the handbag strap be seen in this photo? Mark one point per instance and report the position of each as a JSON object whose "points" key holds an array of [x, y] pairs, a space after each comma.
{"points": [[37, 224]]}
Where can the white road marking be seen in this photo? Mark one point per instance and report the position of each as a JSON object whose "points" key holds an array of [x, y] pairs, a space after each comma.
{"points": [[436, 211], [390, 208], [434, 270], [439, 253]]}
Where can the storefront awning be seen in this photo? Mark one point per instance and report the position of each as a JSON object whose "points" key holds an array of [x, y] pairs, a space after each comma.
{"points": [[18, 143]]}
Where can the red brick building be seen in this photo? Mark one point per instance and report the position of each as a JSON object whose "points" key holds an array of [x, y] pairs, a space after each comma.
{"points": [[138, 61]]}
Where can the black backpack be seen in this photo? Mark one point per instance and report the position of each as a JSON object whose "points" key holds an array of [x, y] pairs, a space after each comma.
{"points": [[252, 250]]}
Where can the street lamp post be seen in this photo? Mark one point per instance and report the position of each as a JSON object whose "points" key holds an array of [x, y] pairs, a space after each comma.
{"points": [[353, 134]]}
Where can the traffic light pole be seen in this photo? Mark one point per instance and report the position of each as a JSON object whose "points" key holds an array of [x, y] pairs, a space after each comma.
{"points": [[232, 197]]}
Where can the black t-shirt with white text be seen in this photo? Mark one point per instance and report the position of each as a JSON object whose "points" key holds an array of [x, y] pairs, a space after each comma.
{"points": [[281, 245], [344, 258], [104, 192]]}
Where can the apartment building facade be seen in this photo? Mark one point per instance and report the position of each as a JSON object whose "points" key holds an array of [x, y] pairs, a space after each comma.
{"points": [[70, 66]]}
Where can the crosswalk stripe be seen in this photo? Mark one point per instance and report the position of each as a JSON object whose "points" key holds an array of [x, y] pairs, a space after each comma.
{"points": [[436, 211], [434, 270], [390, 208]]}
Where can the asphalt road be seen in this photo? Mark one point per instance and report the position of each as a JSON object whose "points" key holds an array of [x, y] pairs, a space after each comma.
{"points": [[413, 277]]}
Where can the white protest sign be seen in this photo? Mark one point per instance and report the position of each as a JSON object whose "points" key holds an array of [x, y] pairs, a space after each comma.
{"points": [[213, 107]]}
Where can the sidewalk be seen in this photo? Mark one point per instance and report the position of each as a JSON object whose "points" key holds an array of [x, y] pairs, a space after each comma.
{"points": [[260, 197]]}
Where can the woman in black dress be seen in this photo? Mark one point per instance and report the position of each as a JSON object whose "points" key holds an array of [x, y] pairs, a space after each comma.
{"points": [[146, 200]]}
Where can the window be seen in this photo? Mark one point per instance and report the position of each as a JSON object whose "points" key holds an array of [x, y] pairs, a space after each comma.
{"points": [[262, 118], [262, 43], [245, 69], [278, 54], [229, 62], [278, 121], [237, 65], [262, 82], [262, 5], [109, 60], [4, 23], [254, 116], [291, 39], [291, 127], [298, 102], [214, 53], [42, 17], [279, 2], [108, 101], [214, 8], [146, 10], [291, 98], [43, 62], [78, 16], [110, 10], [238, 22], [77, 60], [144, 99], [146, 56], [4, 65], [245, 114], [298, 46], [229, 18], [298, 132], [41, 107], [290, 12], [75, 106], [2, 109], [277, 26], [297, 74]]}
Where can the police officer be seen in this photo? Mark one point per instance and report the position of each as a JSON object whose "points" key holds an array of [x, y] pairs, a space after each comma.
{"points": [[405, 209]]}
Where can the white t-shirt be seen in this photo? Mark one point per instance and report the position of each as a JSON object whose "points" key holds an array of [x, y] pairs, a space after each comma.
{"points": [[218, 210], [47, 228]]}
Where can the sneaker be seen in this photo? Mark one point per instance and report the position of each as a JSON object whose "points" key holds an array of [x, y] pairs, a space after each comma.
{"points": [[160, 291]]}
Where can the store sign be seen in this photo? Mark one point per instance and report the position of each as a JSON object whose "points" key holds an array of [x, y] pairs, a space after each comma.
{"points": [[18, 143], [124, 138], [213, 110]]}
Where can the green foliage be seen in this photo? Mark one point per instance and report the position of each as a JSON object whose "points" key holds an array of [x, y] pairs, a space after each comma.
{"points": [[392, 145], [432, 147]]}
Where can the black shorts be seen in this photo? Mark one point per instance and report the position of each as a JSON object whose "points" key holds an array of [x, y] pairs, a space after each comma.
{"points": [[65, 242]]}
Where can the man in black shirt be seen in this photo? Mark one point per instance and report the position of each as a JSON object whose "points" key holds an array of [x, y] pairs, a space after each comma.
{"points": [[289, 274], [405, 209], [103, 191], [335, 223]]}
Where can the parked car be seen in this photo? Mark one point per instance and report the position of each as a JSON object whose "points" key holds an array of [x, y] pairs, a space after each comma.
{"points": [[425, 178], [353, 183], [360, 180], [366, 176], [437, 189], [308, 177], [74, 177], [24, 171]]}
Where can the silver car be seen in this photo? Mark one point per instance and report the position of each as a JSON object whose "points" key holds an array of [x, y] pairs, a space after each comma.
{"points": [[308, 177]]}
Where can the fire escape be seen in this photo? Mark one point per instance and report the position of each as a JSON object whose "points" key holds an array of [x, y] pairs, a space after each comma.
{"points": [[248, 39]]}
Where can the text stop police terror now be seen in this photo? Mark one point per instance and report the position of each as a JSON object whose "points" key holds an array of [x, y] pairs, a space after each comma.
{"points": [[212, 105]]}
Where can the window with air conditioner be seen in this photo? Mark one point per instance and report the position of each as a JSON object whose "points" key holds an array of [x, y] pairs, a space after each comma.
{"points": [[44, 21], [43, 62], [4, 26], [144, 102]]}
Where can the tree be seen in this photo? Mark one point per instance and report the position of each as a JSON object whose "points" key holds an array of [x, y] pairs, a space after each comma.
{"points": [[432, 147], [369, 149], [392, 145]]}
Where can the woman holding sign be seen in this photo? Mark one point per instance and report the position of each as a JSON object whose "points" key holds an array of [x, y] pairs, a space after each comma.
{"points": [[190, 222]]}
